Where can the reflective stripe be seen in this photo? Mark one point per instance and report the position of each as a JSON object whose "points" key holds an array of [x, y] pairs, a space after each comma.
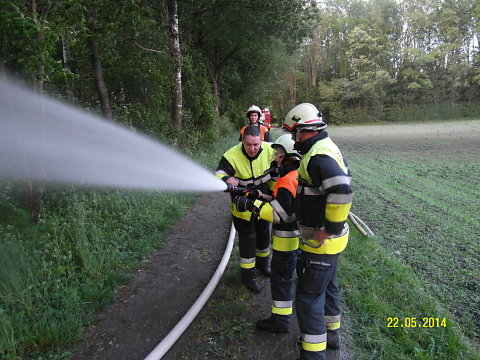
{"points": [[333, 322], [247, 263], [339, 198], [286, 233], [333, 326], [282, 307], [283, 304], [281, 211], [258, 181], [221, 172], [314, 342], [276, 218], [332, 318], [310, 190], [284, 244], [336, 180], [262, 253]]}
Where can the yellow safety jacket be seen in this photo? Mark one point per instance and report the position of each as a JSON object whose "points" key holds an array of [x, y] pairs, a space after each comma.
{"points": [[324, 202], [253, 173]]}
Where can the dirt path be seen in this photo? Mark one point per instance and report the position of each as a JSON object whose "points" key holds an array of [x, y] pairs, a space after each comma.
{"points": [[148, 308]]}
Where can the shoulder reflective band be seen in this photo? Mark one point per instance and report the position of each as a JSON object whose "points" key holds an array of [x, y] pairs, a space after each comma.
{"points": [[339, 198]]}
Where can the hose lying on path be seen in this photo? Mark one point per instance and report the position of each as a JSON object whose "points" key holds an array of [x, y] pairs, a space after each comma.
{"points": [[165, 345], [360, 225]]}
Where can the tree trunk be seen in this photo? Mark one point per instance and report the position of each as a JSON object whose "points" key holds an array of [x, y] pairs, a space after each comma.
{"points": [[2, 69], [177, 101], [66, 66], [293, 89], [216, 92], [35, 187], [98, 76]]}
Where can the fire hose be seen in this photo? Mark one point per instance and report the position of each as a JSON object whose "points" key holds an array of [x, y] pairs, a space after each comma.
{"points": [[165, 345], [360, 225]]}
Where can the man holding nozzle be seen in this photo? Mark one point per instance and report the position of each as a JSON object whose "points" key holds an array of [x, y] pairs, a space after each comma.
{"points": [[280, 212], [248, 166]]}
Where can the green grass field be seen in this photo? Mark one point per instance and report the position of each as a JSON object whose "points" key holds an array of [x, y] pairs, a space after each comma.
{"points": [[420, 197]]}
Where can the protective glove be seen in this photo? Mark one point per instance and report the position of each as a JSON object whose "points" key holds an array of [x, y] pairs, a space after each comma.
{"points": [[254, 194], [242, 203], [274, 173]]}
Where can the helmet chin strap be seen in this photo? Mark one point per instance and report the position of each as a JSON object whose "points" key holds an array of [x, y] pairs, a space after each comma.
{"points": [[297, 136]]}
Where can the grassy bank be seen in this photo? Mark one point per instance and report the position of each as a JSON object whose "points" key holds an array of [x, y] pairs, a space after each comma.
{"points": [[54, 276]]}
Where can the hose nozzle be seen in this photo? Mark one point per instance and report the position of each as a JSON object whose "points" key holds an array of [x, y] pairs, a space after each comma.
{"points": [[236, 190]]}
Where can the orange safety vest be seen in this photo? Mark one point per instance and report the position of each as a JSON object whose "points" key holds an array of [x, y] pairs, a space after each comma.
{"points": [[288, 182]]}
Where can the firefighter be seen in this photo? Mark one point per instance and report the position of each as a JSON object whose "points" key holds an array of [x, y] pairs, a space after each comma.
{"points": [[285, 234], [248, 165], [323, 200], [254, 116]]}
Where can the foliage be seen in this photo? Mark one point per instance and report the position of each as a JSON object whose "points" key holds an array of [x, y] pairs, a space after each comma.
{"points": [[365, 57]]}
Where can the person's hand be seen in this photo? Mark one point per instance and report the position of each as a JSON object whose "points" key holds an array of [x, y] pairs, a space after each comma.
{"points": [[320, 236], [232, 180], [254, 194], [242, 203]]}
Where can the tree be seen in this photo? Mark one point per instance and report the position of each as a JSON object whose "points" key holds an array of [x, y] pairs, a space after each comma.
{"points": [[177, 103]]}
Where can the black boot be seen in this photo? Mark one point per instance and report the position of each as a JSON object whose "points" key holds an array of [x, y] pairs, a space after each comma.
{"points": [[263, 265], [333, 339], [249, 280], [272, 325]]}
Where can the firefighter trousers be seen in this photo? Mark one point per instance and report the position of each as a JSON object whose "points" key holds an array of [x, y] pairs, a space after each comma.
{"points": [[281, 284], [253, 240], [317, 301]]}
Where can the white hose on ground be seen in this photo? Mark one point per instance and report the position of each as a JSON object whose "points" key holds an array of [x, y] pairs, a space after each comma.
{"points": [[360, 225], [165, 345]]}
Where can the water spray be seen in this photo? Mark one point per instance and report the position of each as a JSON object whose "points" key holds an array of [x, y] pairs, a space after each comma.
{"points": [[44, 140]]}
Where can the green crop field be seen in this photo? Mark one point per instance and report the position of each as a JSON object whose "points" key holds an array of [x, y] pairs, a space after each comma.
{"points": [[416, 187]]}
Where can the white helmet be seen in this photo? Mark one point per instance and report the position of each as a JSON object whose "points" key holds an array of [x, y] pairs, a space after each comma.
{"points": [[291, 160], [286, 142], [304, 116], [254, 108]]}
